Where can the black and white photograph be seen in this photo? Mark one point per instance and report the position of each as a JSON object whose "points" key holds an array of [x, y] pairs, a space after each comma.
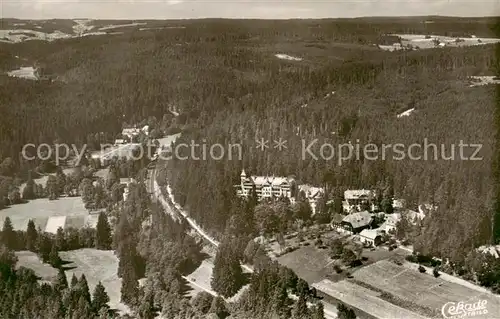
{"points": [[238, 159]]}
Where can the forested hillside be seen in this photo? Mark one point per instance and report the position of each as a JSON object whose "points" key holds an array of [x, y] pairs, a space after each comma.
{"points": [[224, 77]]}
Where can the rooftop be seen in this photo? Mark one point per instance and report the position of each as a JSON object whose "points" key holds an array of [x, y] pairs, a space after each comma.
{"points": [[357, 193], [369, 233], [359, 219]]}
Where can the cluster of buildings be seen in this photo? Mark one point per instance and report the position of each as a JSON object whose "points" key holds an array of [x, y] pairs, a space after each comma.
{"points": [[361, 222], [357, 205], [268, 187], [130, 133]]}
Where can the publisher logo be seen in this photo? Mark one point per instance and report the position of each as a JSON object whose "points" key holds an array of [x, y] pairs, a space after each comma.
{"points": [[456, 310]]}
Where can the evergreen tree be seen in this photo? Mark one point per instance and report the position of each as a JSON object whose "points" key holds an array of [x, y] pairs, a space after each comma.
{"points": [[52, 187], [31, 236], [318, 311], [146, 309], [218, 307], [29, 188], [345, 312], [203, 301], [82, 309], [130, 285], [300, 310], [227, 276], [61, 280], [103, 233], [280, 301], [74, 281], [54, 258], [83, 288], [8, 235], [8, 262], [100, 298]]}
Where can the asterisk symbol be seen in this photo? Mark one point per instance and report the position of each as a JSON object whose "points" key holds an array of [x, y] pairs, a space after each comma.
{"points": [[280, 144], [262, 144]]}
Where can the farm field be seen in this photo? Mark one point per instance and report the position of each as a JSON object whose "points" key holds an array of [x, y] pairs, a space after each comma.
{"points": [[46, 213], [97, 265], [421, 289], [30, 260], [24, 72], [422, 42], [308, 262], [364, 299]]}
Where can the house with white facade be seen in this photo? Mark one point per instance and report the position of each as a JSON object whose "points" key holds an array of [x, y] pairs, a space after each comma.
{"points": [[391, 220], [312, 194], [276, 187], [126, 182], [265, 186], [352, 223], [370, 237], [355, 198], [131, 132]]}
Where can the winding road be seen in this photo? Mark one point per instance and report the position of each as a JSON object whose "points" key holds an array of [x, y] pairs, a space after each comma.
{"points": [[177, 212]]}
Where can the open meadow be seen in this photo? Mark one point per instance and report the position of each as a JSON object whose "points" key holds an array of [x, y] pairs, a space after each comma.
{"points": [[422, 290], [31, 260], [49, 214], [310, 263], [364, 299], [97, 265]]}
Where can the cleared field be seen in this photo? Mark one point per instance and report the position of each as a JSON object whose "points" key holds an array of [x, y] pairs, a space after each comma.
{"points": [[424, 290], [41, 211], [42, 180], [364, 299], [309, 263], [97, 265], [30, 260], [24, 72], [54, 223], [200, 279]]}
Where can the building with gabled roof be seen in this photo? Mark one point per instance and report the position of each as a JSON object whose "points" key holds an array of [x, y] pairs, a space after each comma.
{"points": [[265, 186], [312, 194], [354, 198], [356, 222], [370, 237]]}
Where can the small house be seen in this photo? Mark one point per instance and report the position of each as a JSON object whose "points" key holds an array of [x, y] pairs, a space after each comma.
{"points": [[355, 199], [370, 237], [355, 222], [390, 222]]}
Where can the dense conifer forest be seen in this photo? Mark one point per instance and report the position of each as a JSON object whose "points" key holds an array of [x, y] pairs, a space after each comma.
{"points": [[224, 79]]}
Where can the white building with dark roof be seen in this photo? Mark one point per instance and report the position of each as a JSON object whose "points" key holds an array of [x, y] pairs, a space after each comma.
{"points": [[353, 223], [354, 198], [265, 186], [312, 194], [371, 237]]}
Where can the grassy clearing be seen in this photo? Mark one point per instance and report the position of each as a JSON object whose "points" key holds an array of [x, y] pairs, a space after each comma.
{"points": [[200, 279], [97, 265], [42, 179], [30, 260], [310, 263], [424, 290], [40, 210], [364, 299]]}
